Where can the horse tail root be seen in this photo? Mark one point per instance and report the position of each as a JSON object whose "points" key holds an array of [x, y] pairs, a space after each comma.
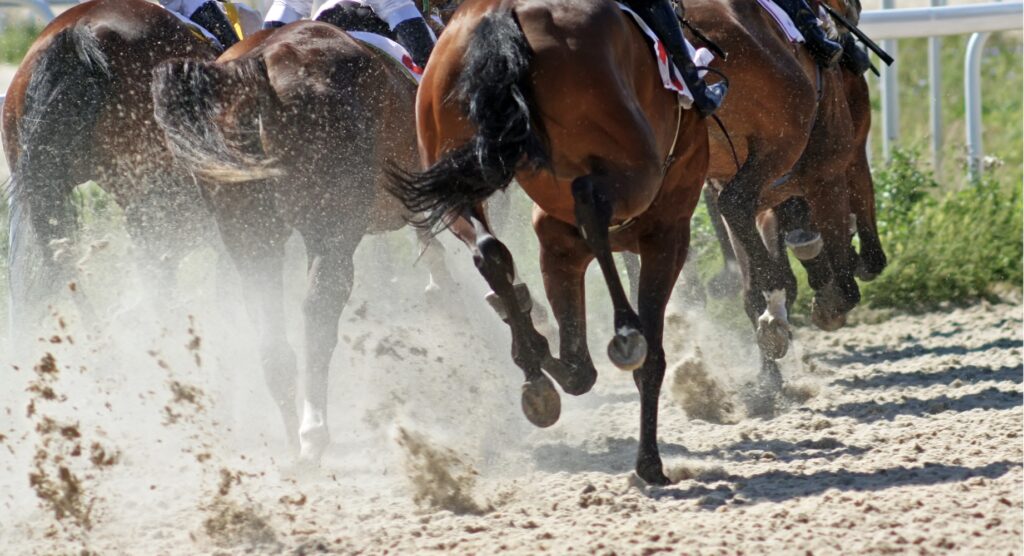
{"points": [[212, 115], [494, 86]]}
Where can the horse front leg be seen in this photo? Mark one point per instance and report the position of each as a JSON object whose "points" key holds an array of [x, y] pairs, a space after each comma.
{"points": [[530, 352], [768, 277], [662, 256], [593, 208]]}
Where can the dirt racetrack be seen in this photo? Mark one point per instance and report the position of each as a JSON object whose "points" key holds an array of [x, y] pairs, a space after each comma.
{"points": [[903, 436]]}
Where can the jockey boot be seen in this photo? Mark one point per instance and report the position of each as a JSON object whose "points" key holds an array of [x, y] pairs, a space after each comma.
{"points": [[273, 24], [212, 18], [855, 58], [824, 50], [415, 36], [659, 15]]}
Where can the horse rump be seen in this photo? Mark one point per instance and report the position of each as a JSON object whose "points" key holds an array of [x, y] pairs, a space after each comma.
{"points": [[211, 114], [70, 79], [495, 88]]}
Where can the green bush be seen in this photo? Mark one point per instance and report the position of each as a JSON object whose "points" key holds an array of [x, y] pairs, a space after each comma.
{"points": [[953, 247], [15, 41]]}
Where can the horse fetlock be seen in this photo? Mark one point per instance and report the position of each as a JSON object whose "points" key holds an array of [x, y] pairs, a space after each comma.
{"points": [[523, 299], [805, 245], [773, 333], [627, 350], [575, 377], [541, 403], [313, 434]]}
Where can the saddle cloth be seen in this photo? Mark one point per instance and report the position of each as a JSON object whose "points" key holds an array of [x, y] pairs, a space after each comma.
{"points": [[783, 20], [670, 76]]}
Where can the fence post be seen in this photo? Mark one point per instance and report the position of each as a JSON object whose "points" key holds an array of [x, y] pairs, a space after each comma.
{"points": [[935, 94], [972, 103], [890, 95]]}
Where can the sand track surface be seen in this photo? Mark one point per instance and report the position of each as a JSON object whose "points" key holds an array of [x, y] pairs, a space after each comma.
{"points": [[903, 436]]}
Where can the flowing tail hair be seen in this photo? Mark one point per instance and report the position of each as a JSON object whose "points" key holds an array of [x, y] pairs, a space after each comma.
{"points": [[71, 79], [494, 85], [212, 115]]}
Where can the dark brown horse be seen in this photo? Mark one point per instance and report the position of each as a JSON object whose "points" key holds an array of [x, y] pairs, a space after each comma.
{"points": [[799, 133], [79, 109], [292, 130], [565, 97]]}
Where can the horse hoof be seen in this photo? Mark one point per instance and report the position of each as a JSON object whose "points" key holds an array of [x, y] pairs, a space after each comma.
{"points": [[773, 337], [863, 274], [828, 323], [312, 444], [628, 349], [805, 245], [541, 403], [653, 474]]}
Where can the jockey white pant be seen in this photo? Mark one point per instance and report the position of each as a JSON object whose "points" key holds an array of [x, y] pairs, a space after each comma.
{"points": [[391, 11], [183, 7]]}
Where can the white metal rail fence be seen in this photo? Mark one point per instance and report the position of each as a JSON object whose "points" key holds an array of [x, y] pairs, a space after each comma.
{"points": [[887, 25], [979, 20]]}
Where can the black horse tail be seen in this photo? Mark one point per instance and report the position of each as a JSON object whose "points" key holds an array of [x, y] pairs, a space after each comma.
{"points": [[212, 115], [70, 80], [494, 85]]}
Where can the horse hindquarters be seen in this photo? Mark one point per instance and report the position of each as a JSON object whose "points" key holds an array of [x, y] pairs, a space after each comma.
{"points": [[61, 105]]}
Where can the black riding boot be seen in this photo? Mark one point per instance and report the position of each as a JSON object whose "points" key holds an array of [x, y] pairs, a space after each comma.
{"points": [[824, 50], [854, 57], [272, 24], [415, 36], [660, 16], [212, 18]]}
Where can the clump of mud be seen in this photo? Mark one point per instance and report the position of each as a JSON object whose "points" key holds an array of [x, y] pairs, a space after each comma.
{"points": [[65, 463], [700, 395], [231, 523], [439, 477]]}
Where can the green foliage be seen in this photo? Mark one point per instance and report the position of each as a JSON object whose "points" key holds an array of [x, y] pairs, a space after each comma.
{"points": [[15, 41], [948, 248], [1002, 105]]}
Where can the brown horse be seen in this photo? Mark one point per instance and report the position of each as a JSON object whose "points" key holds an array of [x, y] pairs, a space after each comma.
{"points": [[799, 133], [291, 130], [79, 109], [565, 97]]}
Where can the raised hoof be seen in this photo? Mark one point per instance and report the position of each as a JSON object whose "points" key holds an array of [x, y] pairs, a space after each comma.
{"points": [[864, 274], [805, 245], [773, 337], [628, 349], [825, 318], [541, 403]]}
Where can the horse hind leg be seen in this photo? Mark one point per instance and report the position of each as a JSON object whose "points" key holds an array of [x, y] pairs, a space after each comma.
{"points": [[530, 350], [254, 236], [593, 207], [331, 275]]}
